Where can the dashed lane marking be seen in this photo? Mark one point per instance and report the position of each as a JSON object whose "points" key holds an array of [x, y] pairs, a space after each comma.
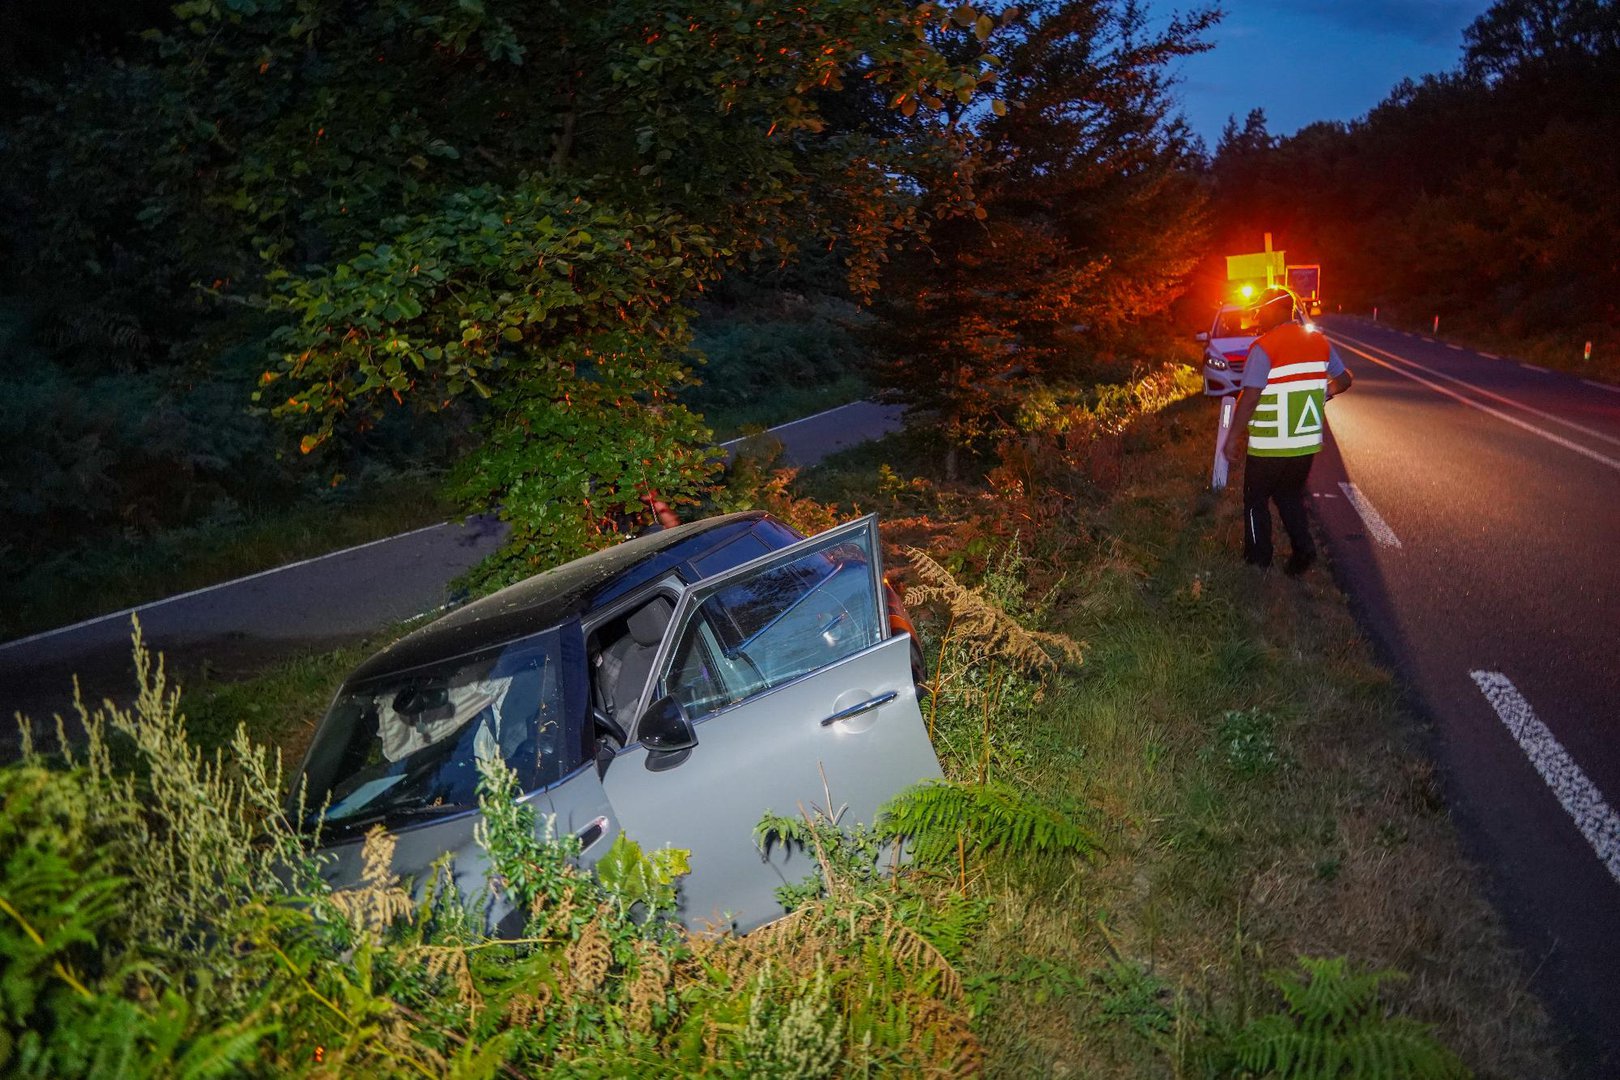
{"points": [[1458, 348], [1403, 363], [1532, 367], [1602, 386], [1487, 393], [1490, 356], [1369, 514], [1579, 797]]}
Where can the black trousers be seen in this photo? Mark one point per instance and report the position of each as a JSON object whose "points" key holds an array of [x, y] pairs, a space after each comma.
{"points": [[1279, 480]]}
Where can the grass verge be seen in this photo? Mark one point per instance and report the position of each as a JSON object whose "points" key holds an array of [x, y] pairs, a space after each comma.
{"points": [[1260, 793]]}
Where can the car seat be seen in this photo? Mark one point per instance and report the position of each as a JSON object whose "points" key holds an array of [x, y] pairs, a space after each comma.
{"points": [[627, 662]]}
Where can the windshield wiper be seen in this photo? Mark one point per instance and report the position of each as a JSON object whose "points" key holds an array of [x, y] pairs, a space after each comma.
{"points": [[393, 815]]}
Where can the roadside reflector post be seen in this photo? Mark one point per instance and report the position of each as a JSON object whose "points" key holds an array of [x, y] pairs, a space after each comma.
{"points": [[1375, 314], [1218, 473], [1436, 324], [1588, 353]]}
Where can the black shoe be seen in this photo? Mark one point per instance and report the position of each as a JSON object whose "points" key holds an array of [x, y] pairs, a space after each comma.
{"points": [[1298, 563]]}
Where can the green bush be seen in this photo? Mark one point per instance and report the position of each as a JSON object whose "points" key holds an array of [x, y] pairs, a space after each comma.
{"points": [[160, 916], [766, 365]]}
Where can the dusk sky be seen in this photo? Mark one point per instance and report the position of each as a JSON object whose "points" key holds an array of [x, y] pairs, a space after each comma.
{"points": [[1317, 59]]}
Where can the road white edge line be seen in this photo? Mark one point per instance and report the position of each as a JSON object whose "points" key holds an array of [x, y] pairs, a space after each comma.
{"points": [[94, 619], [1489, 394], [1499, 414], [1532, 367], [210, 588], [1602, 386], [1370, 516], [800, 420], [1579, 797]]}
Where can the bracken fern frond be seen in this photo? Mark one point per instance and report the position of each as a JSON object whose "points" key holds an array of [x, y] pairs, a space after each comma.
{"points": [[986, 817], [1332, 1027], [990, 630]]}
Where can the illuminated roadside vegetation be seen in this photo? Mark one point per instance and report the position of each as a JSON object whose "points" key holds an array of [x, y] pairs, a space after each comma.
{"points": [[1257, 792], [163, 919], [476, 233], [1188, 831]]}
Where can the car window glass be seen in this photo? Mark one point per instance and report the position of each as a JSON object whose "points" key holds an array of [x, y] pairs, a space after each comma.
{"points": [[1239, 323], [412, 742], [736, 553], [701, 677], [778, 622]]}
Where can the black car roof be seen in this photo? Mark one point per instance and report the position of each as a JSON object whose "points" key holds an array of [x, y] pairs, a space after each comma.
{"points": [[557, 595]]}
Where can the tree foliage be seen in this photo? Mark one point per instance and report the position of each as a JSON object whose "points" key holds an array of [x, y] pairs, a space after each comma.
{"points": [[444, 202], [1090, 217], [1480, 195]]}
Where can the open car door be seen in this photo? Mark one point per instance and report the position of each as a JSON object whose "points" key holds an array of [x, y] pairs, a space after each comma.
{"points": [[786, 671]]}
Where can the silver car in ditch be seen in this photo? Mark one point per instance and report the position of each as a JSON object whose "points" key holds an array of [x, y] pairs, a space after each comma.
{"points": [[674, 687]]}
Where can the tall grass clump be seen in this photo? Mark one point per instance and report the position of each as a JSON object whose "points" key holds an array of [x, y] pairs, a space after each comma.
{"points": [[989, 669], [161, 915]]}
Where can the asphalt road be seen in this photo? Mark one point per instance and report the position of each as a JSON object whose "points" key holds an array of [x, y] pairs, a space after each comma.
{"points": [[1472, 509], [236, 628]]}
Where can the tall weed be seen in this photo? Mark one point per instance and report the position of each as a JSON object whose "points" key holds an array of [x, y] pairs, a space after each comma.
{"points": [[161, 916]]}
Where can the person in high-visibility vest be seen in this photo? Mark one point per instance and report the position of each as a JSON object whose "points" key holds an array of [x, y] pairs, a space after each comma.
{"points": [[1287, 379]]}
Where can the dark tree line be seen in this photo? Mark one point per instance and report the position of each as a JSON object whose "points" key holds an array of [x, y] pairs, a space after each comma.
{"points": [[1484, 195], [364, 218]]}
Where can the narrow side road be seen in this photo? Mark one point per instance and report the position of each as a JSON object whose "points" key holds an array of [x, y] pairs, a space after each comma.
{"points": [[1472, 508], [237, 627]]}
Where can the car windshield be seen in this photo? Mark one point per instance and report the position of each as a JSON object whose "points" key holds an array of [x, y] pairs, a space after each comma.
{"points": [[1238, 322], [407, 746]]}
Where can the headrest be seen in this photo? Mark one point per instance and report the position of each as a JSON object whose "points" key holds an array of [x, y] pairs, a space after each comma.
{"points": [[649, 621]]}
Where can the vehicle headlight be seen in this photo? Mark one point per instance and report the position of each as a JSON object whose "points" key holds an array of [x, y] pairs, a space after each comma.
{"points": [[1215, 362]]}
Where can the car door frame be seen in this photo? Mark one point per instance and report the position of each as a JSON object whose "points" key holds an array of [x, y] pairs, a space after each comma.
{"points": [[886, 717], [686, 602]]}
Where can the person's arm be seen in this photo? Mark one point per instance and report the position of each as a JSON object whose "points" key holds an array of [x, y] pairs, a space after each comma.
{"points": [[1339, 377], [1237, 441], [1255, 374]]}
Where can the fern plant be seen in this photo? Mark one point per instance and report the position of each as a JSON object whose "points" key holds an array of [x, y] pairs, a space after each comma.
{"points": [[1333, 1025], [259, 969], [944, 820]]}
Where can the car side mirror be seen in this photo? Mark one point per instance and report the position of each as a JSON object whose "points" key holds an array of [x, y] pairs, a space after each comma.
{"points": [[665, 727], [1202, 335]]}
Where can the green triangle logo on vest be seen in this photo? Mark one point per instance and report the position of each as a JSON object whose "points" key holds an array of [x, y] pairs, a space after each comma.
{"points": [[1310, 418]]}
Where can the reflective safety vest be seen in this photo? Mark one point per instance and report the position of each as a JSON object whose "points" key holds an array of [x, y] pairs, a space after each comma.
{"points": [[1288, 420]]}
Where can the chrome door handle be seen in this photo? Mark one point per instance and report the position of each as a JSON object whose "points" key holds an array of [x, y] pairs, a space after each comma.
{"points": [[591, 833], [866, 706]]}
